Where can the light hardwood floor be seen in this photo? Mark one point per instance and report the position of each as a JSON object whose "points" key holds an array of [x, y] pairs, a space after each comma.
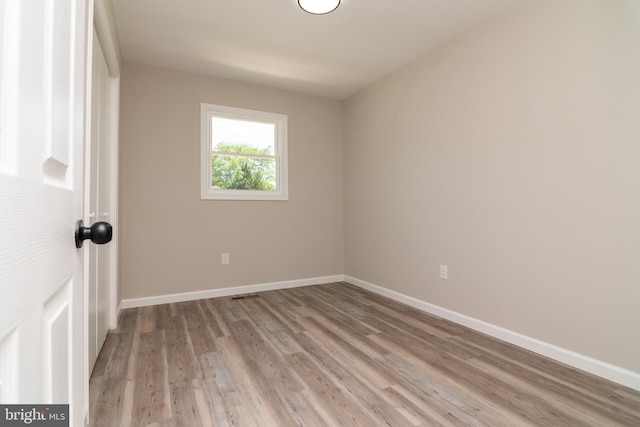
{"points": [[332, 355]]}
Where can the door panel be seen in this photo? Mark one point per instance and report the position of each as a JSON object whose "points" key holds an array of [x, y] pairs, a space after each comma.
{"points": [[58, 45], [56, 321], [42, 90], [9, 35], [9, 356]]}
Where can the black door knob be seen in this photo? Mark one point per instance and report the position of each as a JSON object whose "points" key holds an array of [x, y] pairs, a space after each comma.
{"points": [[99, 233]]}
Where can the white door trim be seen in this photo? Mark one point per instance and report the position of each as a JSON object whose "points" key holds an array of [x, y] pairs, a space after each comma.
{"points": [[115, 150], [104, 24], [102, 19]]}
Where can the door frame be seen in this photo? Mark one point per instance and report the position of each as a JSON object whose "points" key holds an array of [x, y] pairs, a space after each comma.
{"points": [[105, 27], [104, 22]]}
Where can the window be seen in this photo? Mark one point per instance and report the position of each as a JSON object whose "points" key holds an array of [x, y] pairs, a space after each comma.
{"points": [[244, 154]]}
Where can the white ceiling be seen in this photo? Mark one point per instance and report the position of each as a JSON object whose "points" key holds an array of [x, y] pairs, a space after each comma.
{"points": [[275, 43]]}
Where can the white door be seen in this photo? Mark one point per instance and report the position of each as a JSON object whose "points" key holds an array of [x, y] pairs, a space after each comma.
{"points": [[99, 200], [43, 51]]}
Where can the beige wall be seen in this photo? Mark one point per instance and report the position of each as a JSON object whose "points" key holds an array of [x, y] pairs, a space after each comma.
{"points": [[512, 155], [170, 240]]}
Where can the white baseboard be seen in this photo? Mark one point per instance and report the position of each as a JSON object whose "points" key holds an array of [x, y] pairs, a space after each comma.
{"points": [[602, 369], [225, 292]]}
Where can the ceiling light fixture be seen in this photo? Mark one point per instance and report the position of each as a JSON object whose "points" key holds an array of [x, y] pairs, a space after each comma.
{"points": [[319, 7]]}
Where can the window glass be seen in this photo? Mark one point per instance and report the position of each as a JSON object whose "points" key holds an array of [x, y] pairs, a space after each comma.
{"points": [[244, 154]]}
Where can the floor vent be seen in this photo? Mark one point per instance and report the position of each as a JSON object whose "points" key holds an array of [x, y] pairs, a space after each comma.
{"points": [[245, 296]]}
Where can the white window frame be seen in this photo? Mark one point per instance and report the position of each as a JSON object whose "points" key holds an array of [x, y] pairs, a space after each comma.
{"points": [[207, 111]]}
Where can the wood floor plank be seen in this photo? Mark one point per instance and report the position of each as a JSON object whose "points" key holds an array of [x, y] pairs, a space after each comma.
{"points": [[579, 410], [269, 370], [560, 380], [214, 318], [189, 405], [203, 337], [519, 401], [332, 355], [113, 359], [302, 408], [277, 329], [445, 400], [369, 397], [150, 375], [107, 402], [334, 399], [221, 391], [148, 319], [553, 387], [413, 408], [250, 407], [181, 358], [359, 361]]}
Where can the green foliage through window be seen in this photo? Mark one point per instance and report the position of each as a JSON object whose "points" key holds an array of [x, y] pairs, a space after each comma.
{"points": [[238, 169]]}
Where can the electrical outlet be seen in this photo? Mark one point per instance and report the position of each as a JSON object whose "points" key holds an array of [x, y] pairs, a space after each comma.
{"points": [[225, 259], [444, 272]]}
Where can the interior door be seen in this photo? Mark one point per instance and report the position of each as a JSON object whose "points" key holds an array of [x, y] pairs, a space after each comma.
{"points": [[43, 53], [99, 200]]}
